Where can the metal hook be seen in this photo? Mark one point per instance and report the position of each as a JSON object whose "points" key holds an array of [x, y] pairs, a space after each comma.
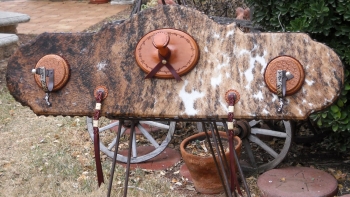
{"points": [[281, 85]]}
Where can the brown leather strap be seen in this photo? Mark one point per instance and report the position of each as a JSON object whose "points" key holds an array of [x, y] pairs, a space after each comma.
{"points": [[97, 141], [234, 179], [164, 62]]}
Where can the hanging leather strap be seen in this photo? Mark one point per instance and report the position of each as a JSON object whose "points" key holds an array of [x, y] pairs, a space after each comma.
{"points": [[231, 128], [164, 62], [97, 138]]}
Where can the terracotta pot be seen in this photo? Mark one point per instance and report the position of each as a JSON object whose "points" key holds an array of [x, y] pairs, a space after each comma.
{"points": [[203, 170]]}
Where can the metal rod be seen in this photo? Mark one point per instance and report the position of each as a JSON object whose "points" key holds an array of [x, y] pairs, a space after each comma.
{"points": [[215, 161], [241, 174], [136, 9], [220, 145], [129, 159], [226, 162], [121, 122], [226, 183]]}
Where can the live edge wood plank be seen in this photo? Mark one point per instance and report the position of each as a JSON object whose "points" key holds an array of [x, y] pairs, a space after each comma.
{"points": [[229, 59]]}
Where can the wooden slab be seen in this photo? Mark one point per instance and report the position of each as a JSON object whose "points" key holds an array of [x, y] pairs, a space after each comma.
{"points": [[229, 59]]}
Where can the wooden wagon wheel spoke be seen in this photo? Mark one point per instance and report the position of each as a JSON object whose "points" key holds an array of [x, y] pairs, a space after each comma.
{"points": [[109, 138], [109, 126], [252, 123], [249, 153], [148, 136], [156, 124], [112, 144], [264, 148], [263, 145], [268, 132]]}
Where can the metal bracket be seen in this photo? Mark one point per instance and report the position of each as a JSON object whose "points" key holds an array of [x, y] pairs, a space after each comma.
{"points": [[47, 88], [282, 77]]}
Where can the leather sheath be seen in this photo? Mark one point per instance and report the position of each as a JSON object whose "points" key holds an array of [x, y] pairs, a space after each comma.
{"points": [[233, 175], [97, 142]]}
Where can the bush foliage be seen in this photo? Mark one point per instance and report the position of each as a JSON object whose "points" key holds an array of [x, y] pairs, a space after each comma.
{"points": [[327, 21]]}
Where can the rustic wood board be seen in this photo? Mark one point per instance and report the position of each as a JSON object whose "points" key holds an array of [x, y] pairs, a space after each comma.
{"points": [[229, 59]]}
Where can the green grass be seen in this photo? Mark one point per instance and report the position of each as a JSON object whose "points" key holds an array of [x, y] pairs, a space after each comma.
{"points": [[53, 156]]}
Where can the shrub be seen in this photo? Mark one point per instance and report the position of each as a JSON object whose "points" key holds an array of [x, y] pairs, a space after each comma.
{"points": [[327, 21]]}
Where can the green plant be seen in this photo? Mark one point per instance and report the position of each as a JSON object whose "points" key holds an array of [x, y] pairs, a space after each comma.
{"points": [[327, 21], [149, 4]]}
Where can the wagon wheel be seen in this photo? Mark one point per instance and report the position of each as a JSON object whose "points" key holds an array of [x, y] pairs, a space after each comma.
{"points": [[108, 138], [265, 143], [272, 139]]}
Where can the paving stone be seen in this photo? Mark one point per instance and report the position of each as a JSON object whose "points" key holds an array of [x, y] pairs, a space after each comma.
{"points": [[185, 172], [297, 181], [52, 12], [164, 160]]}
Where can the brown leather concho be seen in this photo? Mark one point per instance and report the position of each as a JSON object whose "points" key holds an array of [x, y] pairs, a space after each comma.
{"points": [[166, 53], [60, 68], [288, 64]]}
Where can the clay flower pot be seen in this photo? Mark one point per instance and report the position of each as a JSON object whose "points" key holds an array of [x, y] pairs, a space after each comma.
{"points": [[203, 170]]}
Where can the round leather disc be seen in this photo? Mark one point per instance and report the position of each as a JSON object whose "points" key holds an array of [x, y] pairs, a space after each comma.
{"points": [[184, 53], [101, 88], [61, 70], [238, 96], [288, 64]]}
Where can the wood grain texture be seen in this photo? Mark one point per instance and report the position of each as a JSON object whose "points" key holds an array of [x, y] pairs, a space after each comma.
{"points": [[229, 59]]}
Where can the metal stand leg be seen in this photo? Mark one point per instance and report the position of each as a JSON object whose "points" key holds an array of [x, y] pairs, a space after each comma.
{"points": [[222, 174], [220, 143], [121, 122], [127, 173], [241, 174]]}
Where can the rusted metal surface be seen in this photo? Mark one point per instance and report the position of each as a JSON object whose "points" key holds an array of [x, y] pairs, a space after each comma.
{"points": [[229, 59]]}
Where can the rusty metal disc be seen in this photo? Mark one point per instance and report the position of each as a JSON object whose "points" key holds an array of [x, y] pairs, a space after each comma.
{"points": [[184, 53], [245, 129], [238, 96], [103, 89], [61, 70], [288, 64]]}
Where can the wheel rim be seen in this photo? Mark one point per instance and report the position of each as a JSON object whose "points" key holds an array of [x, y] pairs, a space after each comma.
{"points": [[108, 139], [273, 154]]}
